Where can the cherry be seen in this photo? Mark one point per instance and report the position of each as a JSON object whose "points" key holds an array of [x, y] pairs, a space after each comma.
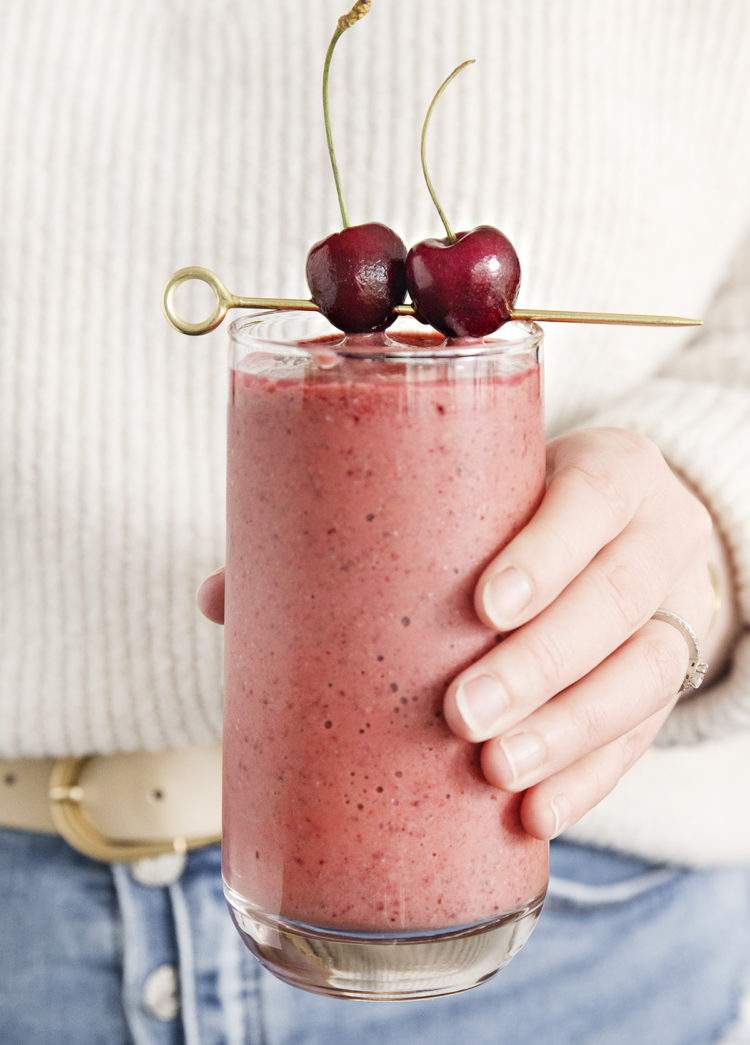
{"points": [[357, 276], [464, 285]]}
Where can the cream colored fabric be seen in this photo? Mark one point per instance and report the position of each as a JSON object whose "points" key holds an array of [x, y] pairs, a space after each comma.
{"points": [[609, 140], [680, 805]]}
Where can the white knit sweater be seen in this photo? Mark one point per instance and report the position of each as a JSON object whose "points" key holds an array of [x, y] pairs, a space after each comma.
{"points": [[610, 140]]}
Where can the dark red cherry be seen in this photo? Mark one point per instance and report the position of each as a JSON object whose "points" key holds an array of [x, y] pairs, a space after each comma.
{"points": [[466, 287], [358, 276]]}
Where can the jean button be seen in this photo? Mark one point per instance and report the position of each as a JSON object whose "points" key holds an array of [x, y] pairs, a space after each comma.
{"points": [[161, 993], [158, 871]]}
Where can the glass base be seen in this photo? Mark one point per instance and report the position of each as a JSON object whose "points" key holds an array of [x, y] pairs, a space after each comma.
{"points": [[383, 966]]}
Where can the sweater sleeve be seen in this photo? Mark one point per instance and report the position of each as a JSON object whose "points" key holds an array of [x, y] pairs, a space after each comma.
{"points": [[697, 410], [685, 801], [684, 804]]}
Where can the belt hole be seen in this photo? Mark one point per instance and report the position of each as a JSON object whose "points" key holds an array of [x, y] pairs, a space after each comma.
{"points": [[9, 779], [155, 795]]}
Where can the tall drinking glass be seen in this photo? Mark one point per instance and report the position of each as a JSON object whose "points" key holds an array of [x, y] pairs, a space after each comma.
{"points": [[370, 480]]}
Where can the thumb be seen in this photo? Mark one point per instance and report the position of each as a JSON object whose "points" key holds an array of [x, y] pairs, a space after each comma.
{"points": [[210, 597]]}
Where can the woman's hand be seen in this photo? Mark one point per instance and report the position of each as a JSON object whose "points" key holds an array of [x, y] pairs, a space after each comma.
{"points": [[584, 678], [578, 689]]}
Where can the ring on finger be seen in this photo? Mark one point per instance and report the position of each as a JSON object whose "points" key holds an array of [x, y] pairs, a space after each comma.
{"points": [[697, 667]]}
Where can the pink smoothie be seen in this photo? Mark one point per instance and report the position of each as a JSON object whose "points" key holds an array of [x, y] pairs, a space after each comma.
{"points": [[361, 509]]}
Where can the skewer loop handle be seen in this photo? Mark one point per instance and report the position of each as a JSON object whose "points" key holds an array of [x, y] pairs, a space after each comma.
{"points": [[224, 300]]}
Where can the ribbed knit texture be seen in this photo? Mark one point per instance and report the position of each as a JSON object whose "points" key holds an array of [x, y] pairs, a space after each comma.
{"points": [[609, 140]]}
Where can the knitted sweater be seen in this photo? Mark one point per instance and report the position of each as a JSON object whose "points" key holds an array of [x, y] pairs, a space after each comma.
{"points": [[609, 140]]}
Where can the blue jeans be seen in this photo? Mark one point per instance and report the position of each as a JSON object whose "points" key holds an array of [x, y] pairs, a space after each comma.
{"points": [[624, 953]]}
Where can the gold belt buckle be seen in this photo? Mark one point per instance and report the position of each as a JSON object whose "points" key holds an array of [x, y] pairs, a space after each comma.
{"points": [[65, 799]]}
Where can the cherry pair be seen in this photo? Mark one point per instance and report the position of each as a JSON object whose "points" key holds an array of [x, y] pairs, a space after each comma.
{"points": [[464, 287]]}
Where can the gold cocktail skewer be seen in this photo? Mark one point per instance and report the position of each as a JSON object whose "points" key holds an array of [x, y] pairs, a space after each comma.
{"points": [[226, 300]]}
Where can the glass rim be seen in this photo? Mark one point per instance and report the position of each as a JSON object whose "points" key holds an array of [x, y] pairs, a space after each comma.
{"points": [[528, 337]]}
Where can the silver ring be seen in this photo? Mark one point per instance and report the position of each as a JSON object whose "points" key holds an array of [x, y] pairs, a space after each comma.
{"points": [[697, 667]]}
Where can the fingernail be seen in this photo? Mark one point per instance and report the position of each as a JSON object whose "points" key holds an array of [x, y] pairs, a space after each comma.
{"points": [[524, 752], [506, 595], [481, 701], [561, 810]]}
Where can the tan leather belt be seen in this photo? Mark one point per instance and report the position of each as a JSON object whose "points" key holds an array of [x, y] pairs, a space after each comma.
{"points": [[120, 807]]}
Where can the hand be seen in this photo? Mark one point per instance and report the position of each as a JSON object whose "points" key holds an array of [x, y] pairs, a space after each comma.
{"points": [[578, 689], [588, 677]]}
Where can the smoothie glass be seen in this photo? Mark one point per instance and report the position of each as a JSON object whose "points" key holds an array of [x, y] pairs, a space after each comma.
{"points": [[370, 480]]}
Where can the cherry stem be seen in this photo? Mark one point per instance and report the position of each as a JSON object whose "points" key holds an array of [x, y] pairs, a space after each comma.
{"points": [[345, 22], [451, 234]]}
